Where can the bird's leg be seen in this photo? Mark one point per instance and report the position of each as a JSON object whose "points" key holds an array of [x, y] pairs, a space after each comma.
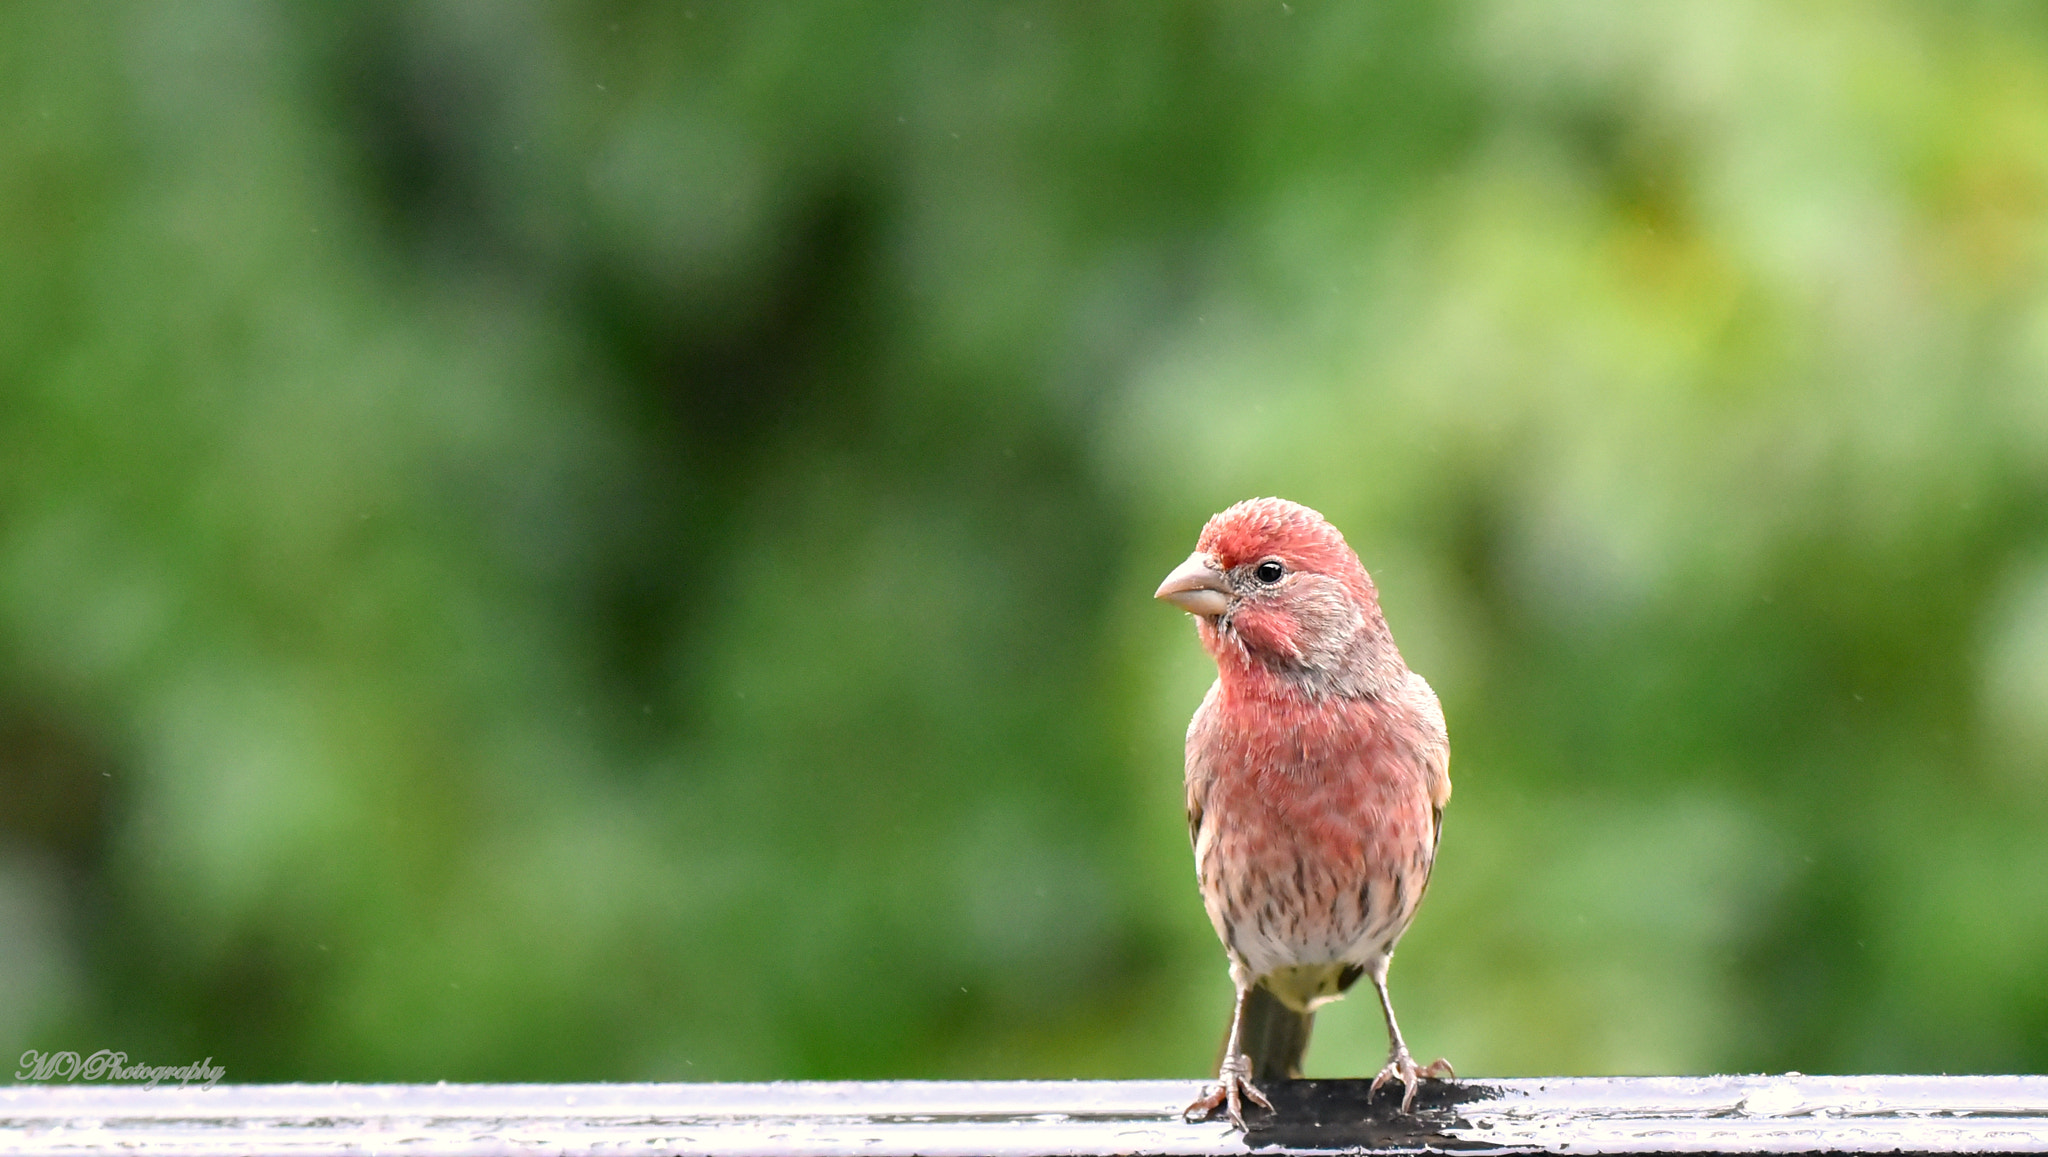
{"points": [[1400, 1066], [1234, 1077]]}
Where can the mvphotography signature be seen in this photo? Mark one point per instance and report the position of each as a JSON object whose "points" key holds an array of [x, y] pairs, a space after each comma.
{"points": [[108, 1065]]}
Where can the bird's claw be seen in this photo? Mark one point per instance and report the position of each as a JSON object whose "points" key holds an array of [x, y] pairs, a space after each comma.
{"points": [[1232, 1088], [1402, 1067]]}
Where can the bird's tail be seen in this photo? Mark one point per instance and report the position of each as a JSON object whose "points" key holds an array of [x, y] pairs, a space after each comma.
{"points": [[1273, 1035]]}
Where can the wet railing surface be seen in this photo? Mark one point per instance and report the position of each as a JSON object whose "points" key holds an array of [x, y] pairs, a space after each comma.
{"points": [[1760, 1114]]}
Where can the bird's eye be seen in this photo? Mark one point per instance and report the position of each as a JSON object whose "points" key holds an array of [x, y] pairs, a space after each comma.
{"points": [[1269, 571]]}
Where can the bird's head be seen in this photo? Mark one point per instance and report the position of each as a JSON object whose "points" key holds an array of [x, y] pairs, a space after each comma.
{"points": [[1276, 589]]}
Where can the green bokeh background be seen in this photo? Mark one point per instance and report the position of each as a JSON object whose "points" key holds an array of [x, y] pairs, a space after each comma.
{"points": [[580, 541]]}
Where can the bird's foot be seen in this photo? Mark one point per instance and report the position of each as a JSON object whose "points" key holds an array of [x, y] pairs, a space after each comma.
{"points": [[1402, 1067], [1232, 1088]]}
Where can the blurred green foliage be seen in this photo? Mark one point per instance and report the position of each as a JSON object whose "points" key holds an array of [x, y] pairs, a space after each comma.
{"points": [[582, 541]]}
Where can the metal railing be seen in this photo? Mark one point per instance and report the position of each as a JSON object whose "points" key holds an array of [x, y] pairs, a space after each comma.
{"points": [[1759, 1114]]}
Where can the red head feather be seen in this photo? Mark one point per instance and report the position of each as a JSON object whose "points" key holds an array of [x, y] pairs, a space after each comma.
{"points": [[1260, 528], [1312, 629]]}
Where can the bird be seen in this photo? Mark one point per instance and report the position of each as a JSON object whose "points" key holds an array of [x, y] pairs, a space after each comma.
{"points": [[1318, 767]]}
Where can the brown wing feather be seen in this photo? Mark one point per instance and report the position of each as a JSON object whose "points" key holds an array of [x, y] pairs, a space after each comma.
{"points": [[1436, 762]]}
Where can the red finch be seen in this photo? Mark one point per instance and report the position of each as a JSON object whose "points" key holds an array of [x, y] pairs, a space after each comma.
{"points": [[1317, 771]]}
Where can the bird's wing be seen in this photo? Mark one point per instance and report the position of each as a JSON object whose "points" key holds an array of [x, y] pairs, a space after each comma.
{"points": [[1433, 751], [1198, 771], [1434, 745]]}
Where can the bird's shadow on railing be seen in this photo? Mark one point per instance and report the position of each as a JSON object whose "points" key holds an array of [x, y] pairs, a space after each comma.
{"points": [[1337, 1114]]}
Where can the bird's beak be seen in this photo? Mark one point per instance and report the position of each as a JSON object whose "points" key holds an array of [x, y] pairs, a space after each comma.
{"points": [[1197, 587]]}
